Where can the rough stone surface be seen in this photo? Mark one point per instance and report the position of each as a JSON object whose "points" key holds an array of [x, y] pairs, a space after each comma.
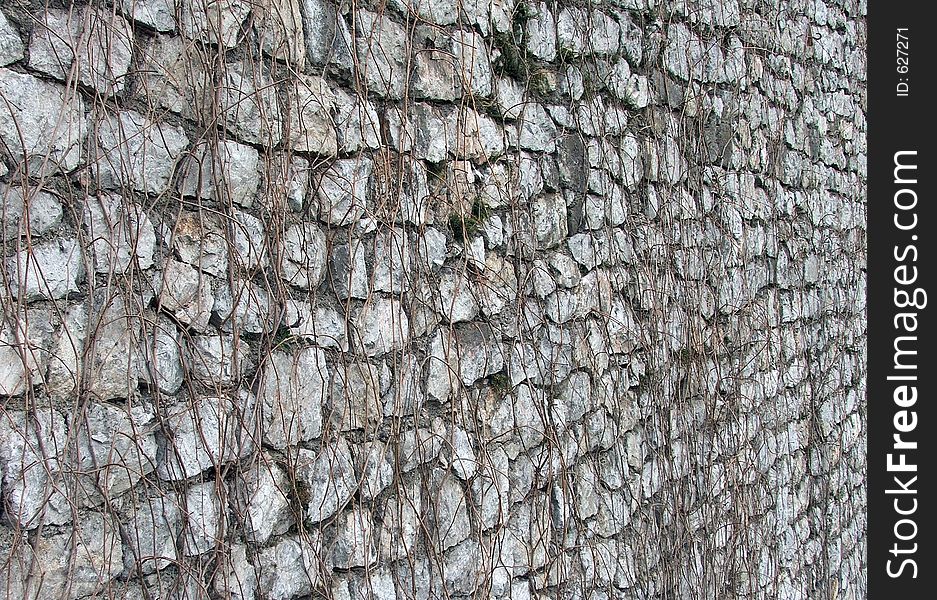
{"points": [[329, 477], [135, 153], [291, 396], [441, 298], [45, 135]]}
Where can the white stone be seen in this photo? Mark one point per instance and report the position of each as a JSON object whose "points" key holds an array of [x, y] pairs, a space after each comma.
{"points": [[402, 524], [349, 270], [261, 498], [213, 359], [382, 50], [356, 122], [381, 326], [52, 42], [213, 21], [205, 433], [173, 75], [11, 46], [248, 235], [103, 51], [343, 190], [24, 351], [236, 577], [121, 234], [50, 269], [548, 214], [45, 134], [457, 300], [158, 14], [116, 447], [205, 518], [134, 152], [329, 477], [328, 40], [585, 32], [186, 294], [279, 25], [222, 171], [311, 125], [42, 209], [243, 306], [391, 261], [375, 464], [199, 240], [31, 457], [162, 353], [153, 529], [292, 392], [353, 544], [246, 98], [510, 98], [447, 515], [435, 76], [291, 568], [78, 563], [355, 397], [303, 256], [540, 33], [471, 52]]}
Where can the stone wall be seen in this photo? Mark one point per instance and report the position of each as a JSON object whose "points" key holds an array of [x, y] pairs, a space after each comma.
{"points": [[432, 299]]}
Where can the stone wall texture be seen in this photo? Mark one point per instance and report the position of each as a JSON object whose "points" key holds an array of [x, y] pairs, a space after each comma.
{"points": [[425, 299]]}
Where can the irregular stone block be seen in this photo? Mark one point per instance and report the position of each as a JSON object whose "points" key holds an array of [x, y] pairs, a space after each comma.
{"points": [[152, 529], [121, 234], [471, 54], [42, 211], [236, 577], [204, 514], [381, 326], [222, 171], [261, 498], [116, 447], [213, 21], [436, 76], [291, 568], [352, 543], [174, 75], [205, 433], [329, 479], [355, 396], [157, 14], [186, 294], [382, 50], [31, 457], [279, 25], [447, 511], [391, 262], [311, 126], [343, 191], [24, 351], [133, 151], [78, 563], [40, 124], [328, 39], [11, 46], [540, 33], [303, 256], [247, 101], [402, 525], [292, 391]]}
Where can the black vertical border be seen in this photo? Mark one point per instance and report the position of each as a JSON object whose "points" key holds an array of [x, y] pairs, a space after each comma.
{"points": [[900, 123]]}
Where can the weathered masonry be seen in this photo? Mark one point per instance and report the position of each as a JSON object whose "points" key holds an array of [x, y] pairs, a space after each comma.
{"points": [[427, 299]]}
